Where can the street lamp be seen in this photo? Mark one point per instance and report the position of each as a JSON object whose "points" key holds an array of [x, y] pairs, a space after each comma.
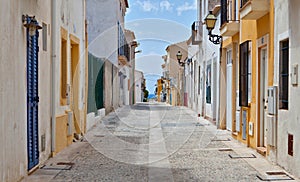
{"points": [[179, 57], [210, 22], [31, 24]]}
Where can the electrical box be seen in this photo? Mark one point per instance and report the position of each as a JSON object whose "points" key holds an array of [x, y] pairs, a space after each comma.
{"points": [[70, 123], [251, 128], [295, 75], [271, 130], [272, 100]]}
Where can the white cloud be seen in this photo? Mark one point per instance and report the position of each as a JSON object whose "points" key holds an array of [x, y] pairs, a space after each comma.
{"points": [[165, 5], [186, 7], [147, 6], [128, 11]]}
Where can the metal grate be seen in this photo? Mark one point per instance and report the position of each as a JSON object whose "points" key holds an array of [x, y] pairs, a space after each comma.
{"points": [[290, 145]]}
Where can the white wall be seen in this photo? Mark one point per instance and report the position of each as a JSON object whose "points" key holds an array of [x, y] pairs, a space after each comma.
{"points": [[103, 17], [138, 83], [210, 52], [70, 16], [13, 86], [288, 120]]}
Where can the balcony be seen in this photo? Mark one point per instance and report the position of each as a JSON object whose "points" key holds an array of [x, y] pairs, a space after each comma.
{"points": [[197, 30], [254, 9], [230, 28]]}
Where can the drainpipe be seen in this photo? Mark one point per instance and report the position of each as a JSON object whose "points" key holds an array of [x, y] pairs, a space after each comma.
{"points": [[53, 78]]}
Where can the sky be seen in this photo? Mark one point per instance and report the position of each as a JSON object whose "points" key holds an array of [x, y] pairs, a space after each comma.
{"points": [[157, 24]]}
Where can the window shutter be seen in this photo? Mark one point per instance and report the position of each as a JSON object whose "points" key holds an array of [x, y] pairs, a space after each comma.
{"points": [[243, 76]]}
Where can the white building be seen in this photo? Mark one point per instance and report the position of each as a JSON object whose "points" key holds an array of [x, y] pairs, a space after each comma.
{"points": [[286, 79], [106, 35], [42, 81], [202, 69], [139, 81]]}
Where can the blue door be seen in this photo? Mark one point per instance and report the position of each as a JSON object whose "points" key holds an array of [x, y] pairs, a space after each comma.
{"points": [[32, 98]]}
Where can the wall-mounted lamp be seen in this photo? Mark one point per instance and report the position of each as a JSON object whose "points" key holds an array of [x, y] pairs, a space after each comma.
{"points": [[31, 24], [210, 22], [179, 57]]}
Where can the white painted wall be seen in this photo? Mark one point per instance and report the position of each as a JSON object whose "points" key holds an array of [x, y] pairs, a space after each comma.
{"points": [[138, 83], [210, 52], [70, 17], [103, 17], [288, 120], [13, 86]]}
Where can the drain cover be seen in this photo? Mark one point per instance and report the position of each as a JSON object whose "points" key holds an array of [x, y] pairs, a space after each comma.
{"points": [[221, 140], [274, 176], [225, 149], [236, 156], [58, 166]]}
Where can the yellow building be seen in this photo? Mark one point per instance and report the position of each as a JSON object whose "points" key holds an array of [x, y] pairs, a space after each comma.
{"points": [[247, 65]]}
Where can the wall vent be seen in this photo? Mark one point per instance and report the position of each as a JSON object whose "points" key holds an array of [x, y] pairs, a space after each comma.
{"points": [[290, 144]]}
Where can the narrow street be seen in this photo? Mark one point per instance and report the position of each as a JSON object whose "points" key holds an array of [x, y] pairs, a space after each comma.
{"points": [[154, 142]]}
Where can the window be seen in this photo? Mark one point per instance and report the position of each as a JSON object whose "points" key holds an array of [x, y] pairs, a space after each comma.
{"points": [[44, 37], [284, 75], [208, 84], [199, 79], [245, 74], [224, 12], [63, 67], [243, 2]]}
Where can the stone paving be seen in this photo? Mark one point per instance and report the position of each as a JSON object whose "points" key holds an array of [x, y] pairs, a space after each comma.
{"points": [[154, 142]]}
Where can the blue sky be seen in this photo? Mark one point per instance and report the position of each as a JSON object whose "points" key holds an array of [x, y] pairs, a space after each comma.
{"points": [[157, 24]]}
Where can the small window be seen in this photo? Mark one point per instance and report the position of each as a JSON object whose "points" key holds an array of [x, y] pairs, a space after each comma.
{"points": [[44, 37], [208, 84], [284, 75], [199, 79]]}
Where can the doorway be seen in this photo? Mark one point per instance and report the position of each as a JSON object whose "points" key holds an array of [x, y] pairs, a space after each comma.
{"points": [[229, 91], [32, 99], [75, 81], [263, 97]]}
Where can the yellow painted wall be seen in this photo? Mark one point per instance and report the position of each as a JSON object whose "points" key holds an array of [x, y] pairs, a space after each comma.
{"points": [[159, 89]]}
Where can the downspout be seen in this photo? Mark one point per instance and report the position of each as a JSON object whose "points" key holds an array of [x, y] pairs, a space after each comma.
{"points": [[53, 78]]}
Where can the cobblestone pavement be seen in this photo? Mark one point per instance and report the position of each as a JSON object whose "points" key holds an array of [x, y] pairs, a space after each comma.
{"points": [[154, 142]]}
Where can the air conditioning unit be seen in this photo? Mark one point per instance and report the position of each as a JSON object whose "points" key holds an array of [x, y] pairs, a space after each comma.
{"points": [[271, 130], [70, 123]]}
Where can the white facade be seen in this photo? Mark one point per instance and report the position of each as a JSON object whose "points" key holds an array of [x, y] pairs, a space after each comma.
{"points": [[192, 76], [13, 90], [104, 18], [288, 120], [71, 18], [139, 78], [209, 63]]}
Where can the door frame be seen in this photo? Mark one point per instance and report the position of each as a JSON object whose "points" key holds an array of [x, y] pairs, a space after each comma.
{"points": [[229, 63], [262, 44], [32, 97]]}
